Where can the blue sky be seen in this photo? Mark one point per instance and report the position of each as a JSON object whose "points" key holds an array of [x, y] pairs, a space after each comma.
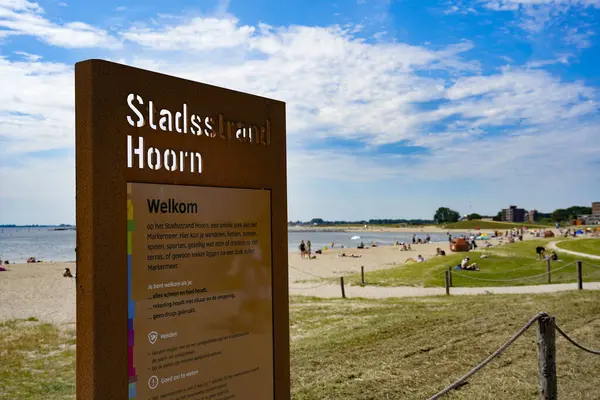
{"points": [[394, 107]]}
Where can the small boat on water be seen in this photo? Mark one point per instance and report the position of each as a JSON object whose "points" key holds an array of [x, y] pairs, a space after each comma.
{"points": [[355, 238]]}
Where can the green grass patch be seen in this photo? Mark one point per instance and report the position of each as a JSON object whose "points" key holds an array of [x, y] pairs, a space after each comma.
{"points": [[37, 361], [509, 265], [490, 225], [587, 246], [410, 349]]}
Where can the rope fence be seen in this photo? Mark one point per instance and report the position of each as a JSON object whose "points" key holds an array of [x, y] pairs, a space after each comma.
{"points": [[546, 356], [450, 274], [574, 343], [514, 279]]}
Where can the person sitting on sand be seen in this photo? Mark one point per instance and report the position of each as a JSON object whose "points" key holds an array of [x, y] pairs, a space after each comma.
{"points": [[403, 247], [361, 246], [439, 252], [67, 273], [420, 258], [554, 256], [342, 255]]}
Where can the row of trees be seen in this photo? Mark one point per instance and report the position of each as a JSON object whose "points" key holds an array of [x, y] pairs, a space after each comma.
{"points": [[445, 215]]}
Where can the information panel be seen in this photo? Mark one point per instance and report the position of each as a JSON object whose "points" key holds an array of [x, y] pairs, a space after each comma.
{"points": [[200, 302]]}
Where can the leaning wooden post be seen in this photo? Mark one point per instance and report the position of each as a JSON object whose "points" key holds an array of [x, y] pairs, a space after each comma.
{"points": [[547, 358], [579, 275], [548, 269], [450, 269], [362, 274], [342, 286], [448, 282]]}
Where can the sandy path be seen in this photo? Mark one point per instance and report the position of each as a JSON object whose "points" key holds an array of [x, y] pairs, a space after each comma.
{"points": [[553, 245]]}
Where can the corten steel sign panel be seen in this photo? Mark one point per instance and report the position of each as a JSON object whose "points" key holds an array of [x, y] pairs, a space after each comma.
{"points": [[182, 239]]}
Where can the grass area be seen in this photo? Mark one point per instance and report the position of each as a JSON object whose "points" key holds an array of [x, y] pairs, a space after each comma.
{"points": [[371, 349], [588, 246], [408, 349], [511, 262], [37, 361], [490, 225]]}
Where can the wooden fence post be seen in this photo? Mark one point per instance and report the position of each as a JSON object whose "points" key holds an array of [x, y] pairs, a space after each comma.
{"points": [[448, 282], [450, 269], [549, 268], [362, 274], [579, 275], [342, 285], [547, 358]]}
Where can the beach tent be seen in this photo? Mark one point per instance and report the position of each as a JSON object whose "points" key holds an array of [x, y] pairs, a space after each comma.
{"points": [[460, 244], [579, 232]]}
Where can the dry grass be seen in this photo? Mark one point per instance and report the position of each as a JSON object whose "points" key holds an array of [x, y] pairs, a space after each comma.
{"points": [[370, 349], [410, 349], [37, 361]]}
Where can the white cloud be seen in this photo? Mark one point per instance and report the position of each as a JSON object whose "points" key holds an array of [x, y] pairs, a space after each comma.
{"points": [[22, 17], [337, 85], [197, 34], [538, 14], [121, 9], [36, 106], [28, 56]]}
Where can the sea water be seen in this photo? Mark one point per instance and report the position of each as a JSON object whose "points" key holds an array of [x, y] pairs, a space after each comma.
{"points": [[47, 244]]}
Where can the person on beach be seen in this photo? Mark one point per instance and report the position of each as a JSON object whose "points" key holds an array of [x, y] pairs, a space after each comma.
{"points": [[302, 249], [464, 264], [440, 252], [67, 273], [428, 239], [414, 239], [420, 258], [308, 249], [541, 252]]}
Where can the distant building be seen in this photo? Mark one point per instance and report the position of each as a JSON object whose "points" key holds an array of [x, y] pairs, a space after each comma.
{"points": [[531, 216], [596, 207], [591, 219], [513, 214]]}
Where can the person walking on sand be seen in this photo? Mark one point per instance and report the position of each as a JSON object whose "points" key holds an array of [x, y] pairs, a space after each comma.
{"points": [[308, 249], [302, 249], [414, 239]]}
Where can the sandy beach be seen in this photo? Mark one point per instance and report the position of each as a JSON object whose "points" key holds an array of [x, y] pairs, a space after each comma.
{"points": [[39, 290], [329, 264]]}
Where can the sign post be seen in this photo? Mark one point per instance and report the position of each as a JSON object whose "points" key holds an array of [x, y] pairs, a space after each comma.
{"points": [[182, 288]]}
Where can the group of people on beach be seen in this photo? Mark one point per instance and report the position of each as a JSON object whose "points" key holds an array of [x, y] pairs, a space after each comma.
{"points": [[305, 250]]}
